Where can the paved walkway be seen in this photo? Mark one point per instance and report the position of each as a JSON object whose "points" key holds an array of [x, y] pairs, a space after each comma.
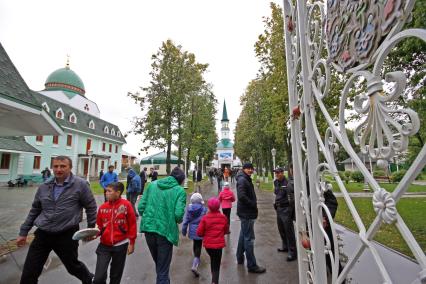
{"points": [[140, 267]]}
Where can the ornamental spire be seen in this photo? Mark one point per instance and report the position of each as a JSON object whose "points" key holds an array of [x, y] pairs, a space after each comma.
{"points": [[224, 112], [68, 62]]}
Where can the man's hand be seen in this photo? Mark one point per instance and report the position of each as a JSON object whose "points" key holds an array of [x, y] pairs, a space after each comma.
{"points": [[130, 249], [21, 241]]}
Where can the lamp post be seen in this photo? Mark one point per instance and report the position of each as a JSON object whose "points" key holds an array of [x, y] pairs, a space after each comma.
{"points": [[196, 174], [89, 153], [251, 159], [274, 153], [185, 155], [197, 158], [202, 166]]}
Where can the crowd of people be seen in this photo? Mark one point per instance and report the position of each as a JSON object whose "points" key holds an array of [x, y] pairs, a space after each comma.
{"points": [[57, 212]]}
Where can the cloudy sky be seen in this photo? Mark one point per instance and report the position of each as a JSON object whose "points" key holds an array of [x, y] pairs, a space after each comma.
{"points": [[110, 44]]}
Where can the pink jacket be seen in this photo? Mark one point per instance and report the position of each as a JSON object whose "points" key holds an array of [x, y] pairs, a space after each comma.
{"points": [[226, 197]]}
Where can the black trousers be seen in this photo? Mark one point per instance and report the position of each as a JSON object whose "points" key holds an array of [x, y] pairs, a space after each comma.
{"points": [[161, 251], [66, 249], [196, 247], [133, 196], [286, 229], [227, 213], [106, 254], [215, 259]]}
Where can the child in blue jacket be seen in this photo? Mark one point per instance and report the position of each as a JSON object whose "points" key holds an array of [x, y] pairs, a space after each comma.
{"points": [[193, 214]]}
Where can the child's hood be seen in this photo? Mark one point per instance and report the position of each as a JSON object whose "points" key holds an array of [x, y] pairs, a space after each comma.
{"points": [[195, 209]]}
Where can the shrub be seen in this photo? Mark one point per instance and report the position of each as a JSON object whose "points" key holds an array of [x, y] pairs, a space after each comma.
{"points": [[357, 176], [348, 174], [397, 176], [379, 173]]}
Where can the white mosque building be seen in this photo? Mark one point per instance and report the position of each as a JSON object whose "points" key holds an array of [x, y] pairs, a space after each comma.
{"points": [[225, 156]]}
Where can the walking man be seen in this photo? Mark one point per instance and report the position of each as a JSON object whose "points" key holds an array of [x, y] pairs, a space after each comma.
{"points": [[247, 211], [162, 207], [284, 206], [143, 177], [133, 189], [107, 178], [56, 212]]}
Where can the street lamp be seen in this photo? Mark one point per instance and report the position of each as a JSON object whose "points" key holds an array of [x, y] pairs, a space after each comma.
{"points": [[202, 166], [251, 160], [196, 175], [274, 153], [89, 153], [185, 155]]}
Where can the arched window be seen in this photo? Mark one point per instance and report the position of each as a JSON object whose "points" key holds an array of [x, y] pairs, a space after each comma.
{"points": [[59, 113], [73, 118], [106, 130], [118, 134], [45, 106], [113, 132], [91, 125]]}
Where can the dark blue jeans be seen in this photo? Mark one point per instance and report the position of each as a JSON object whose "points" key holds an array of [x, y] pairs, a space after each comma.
{"points": [[246, 243], [161, 251]]}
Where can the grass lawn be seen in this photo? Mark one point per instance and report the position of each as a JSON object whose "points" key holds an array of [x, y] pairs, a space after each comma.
{"points": [[412, 211], [359, 187]]}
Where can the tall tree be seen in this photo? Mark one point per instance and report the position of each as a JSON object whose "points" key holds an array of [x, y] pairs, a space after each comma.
{"points": [[175, 78]]}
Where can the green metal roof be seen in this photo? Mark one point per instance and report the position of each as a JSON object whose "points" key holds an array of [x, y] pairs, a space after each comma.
{"points": [[224, 112], [225, 143], [12, 86], [66, 80], [16, 144], [83, 118], [159, 158]]}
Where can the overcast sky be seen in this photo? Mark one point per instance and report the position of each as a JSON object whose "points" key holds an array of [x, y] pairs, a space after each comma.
{"points": [[110, 44]]}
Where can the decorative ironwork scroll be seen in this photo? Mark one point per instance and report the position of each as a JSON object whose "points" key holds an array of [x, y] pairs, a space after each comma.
{"points": [[355, 29], [353, 37]]}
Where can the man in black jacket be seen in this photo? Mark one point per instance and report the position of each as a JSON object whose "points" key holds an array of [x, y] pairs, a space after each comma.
{"points": [[56, 212], [247, 211], [284, 206], [143, 179]]}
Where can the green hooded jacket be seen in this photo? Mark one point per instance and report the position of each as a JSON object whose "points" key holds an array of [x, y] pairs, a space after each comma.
{"points": [[162, 207]]}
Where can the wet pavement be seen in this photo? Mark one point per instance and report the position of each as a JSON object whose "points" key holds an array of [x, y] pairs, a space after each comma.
{"points": [[140, 267]]}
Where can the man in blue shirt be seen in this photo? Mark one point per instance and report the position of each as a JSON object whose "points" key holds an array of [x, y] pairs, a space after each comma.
{"points": [[107, 178]]}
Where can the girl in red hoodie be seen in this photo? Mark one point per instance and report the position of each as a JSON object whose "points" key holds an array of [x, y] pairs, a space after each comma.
{"points": [[226, 197], [116, 221], [212, 229]]}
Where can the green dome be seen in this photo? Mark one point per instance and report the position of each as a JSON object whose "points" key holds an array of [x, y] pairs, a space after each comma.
{"points": [[66, 80], [225, 143]]}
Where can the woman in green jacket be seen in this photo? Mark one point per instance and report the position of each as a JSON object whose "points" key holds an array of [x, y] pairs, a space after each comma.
{"points": [[162, 208]]}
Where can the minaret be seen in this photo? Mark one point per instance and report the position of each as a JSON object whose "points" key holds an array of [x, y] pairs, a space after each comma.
{"points": [[225, 122]]}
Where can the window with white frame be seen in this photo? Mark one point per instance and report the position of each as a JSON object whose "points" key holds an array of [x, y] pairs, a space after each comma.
{"points": [[73, 118], [118, 134], [45, 106], [113, 132], [91, 125], [59, 113], [106, 130]]}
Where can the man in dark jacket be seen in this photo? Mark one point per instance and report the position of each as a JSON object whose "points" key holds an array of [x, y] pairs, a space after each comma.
{"points": [[284, 206], [56, 212], [133, 188], [247, 211], [143, 177]]}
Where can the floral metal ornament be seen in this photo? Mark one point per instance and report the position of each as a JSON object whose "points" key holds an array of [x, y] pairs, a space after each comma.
{"points": [[356, 28]]}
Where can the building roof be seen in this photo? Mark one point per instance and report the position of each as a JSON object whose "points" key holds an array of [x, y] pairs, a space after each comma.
{"points": [[224, 112], [124, 153], [159, 158], [361, 156], [17, 145], [83, 119], [225, 143], [12, 86], [20, 112], [66, 80]]}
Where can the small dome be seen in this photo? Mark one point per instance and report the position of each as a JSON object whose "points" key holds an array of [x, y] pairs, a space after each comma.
{"points": [[66, 80]]}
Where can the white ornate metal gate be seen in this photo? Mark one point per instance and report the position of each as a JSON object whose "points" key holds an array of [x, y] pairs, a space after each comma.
{"points": [[355, 37]]}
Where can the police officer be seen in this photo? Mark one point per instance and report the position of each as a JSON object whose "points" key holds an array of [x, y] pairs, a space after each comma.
{"points": [[284, 206]]}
